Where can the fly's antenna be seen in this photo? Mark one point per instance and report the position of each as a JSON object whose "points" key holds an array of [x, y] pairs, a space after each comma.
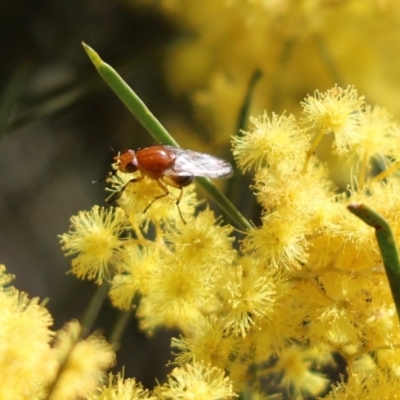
{"points": [[110, 174]]}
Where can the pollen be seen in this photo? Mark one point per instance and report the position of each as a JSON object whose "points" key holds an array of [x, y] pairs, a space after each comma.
{"points": [[339, 111], [95, 239]]}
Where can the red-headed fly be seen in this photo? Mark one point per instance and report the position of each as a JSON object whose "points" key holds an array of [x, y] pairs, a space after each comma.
{"points": [[173, 166]]}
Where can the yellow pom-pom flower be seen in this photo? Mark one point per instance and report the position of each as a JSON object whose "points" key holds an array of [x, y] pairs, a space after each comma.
{"points": [[95, 236]]}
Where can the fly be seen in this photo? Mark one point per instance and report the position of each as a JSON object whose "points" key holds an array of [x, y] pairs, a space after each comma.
{"points": [[173, 166]]}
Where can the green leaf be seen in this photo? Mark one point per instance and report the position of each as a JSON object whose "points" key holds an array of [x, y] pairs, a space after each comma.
{"points": [[387, 246]]}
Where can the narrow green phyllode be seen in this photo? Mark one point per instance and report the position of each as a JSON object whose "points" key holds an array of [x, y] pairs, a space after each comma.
{"points": [[136, 106], [132, 101], [387, 246]]}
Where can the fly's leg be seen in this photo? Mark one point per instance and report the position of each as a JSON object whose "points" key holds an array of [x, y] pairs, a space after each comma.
{"points": [[180, 182], [138, 179], [166, 193], [178, 200], [164, 189], [113, 195]]}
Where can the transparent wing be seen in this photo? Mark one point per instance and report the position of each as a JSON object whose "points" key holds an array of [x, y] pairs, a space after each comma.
{"points": [[192, 163]]}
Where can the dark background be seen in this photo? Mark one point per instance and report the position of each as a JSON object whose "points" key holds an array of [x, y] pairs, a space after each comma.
{"points": [[58, 121]]}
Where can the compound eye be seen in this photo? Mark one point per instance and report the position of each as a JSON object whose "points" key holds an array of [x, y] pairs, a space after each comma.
{"points": [[127, 162], [130, 167]]}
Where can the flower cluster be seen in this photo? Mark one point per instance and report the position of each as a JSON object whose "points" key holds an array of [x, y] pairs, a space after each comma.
{"points": [[298, 45], [306, 284], [38, 363]]}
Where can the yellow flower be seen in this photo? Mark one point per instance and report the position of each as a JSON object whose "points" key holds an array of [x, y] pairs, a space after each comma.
{"points": [[282, 324], [351, 309], [379, 144], [202, 243], [279, 242], [296, 363], [27, 362], [333, 326], [339, 111], [380, 386], [300, 195], [196, 382], [135, 272], [277, 143], [178, 292], [249, 294], [82, 363], [32, 366], [95, 237], [207, 340], [347, 241], [119, 388], [379, 134]]}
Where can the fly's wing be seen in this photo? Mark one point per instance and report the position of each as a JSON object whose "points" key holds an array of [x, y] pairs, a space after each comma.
{"points": [[192, 163]]}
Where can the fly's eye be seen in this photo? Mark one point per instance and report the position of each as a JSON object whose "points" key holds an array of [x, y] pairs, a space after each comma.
{"points": [[130, 167], [127, 162]]}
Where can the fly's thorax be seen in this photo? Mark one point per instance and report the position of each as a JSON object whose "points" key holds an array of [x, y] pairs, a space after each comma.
{"points": [[154, 160]]}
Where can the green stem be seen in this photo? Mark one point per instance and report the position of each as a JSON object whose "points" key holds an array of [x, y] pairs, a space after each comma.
{"points": [[93, 309], [136, 106], [244, 111], [225, 203], [119, 327], [234, 184], [310, 152], [387, 246]]}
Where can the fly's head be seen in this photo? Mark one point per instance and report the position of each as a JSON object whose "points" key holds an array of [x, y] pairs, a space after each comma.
{"points": [[127, 161]]}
